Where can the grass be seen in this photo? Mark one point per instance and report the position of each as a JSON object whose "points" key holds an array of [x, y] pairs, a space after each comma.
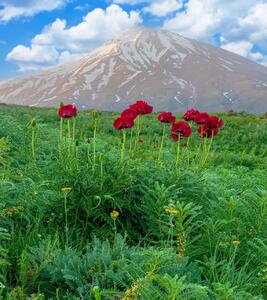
{"points": [[58, 239]]}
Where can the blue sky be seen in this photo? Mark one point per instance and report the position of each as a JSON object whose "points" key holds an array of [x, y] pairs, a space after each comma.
{"points": [[35, 34]]}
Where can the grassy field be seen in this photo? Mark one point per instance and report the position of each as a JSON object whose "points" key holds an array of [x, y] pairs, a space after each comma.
{"points": [[79, 221]]}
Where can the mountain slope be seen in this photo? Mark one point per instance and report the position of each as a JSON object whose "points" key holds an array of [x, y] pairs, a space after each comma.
{"points": [[169, 71]]}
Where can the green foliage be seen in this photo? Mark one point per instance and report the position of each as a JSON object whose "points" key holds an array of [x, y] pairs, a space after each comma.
{"points": [[170, 288], [180, 233], [4, 238]]}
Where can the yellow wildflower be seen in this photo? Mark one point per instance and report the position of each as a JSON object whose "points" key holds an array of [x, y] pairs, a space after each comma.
{"points": [[66, 189], [133, 292], [114, 214], [171, 211], [235, 243]]}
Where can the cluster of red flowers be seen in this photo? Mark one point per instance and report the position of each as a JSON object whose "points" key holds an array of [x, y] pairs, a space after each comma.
{"points": [[67, 111], [128, 116], [208, 126]]}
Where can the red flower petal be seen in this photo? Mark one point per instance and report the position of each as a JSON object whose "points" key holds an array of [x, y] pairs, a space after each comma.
{"points": [[182, 128], [67, 111], [214, 122], [123, 123], [129, 113], [166, 117], [207, 132], [202, 118], [190, 115], [141, 107], [175, 136]]}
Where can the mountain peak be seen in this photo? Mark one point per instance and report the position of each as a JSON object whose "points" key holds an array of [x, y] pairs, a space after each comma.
{"points": [[168, 70]]}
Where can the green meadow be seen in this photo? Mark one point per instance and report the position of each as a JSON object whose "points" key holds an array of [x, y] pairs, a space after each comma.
{"points": [[81, 218]]}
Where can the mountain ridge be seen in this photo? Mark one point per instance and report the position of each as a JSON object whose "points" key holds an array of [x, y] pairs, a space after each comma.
{"points": [[168, 70]]}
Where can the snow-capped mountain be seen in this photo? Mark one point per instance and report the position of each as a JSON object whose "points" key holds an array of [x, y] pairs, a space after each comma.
{"points": [[166, 69]]}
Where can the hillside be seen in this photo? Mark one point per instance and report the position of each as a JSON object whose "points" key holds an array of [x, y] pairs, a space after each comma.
{"points": [[78, 222]]}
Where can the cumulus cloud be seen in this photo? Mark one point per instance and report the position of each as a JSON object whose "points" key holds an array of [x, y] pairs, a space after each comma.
{"points": [[243, 48], [158, 8], [240, 24], [57, 43], [11, 9], [253, 26], [197, 21], [35, 54], [163, 7], [97, 26]]}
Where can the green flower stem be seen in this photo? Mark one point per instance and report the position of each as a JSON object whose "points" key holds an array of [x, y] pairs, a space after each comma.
{"points": [[178, 146], [74, 136], [88, 153], [61, 133], [131, 140], [198, 154], [162, 142], [137, 133], [207, 152], [66, 220], [123, 145], [69, 138], [33, 142], [170, 231], [187, 149], [115, 228], [101, 158], [94, 145], [188, 143]]}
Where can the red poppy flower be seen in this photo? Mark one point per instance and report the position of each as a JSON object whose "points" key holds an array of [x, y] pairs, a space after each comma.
{"points": [[181, 129], [175, 136], [122, 123], [190, 115], [202, 118], [129, 113], [166, 117], [207, 132], [214, 122], [67, 111], [141, 107]]}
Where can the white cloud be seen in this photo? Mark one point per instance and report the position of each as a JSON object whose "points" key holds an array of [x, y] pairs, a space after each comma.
{"points": [[254, 25], [131, 2], [197, 21], [163, 7], [57, 43], [243, 48], [81, 7], [35, 53], [240, 24], [97, 26], [158, 8], [26, 8], [67, 56]]}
